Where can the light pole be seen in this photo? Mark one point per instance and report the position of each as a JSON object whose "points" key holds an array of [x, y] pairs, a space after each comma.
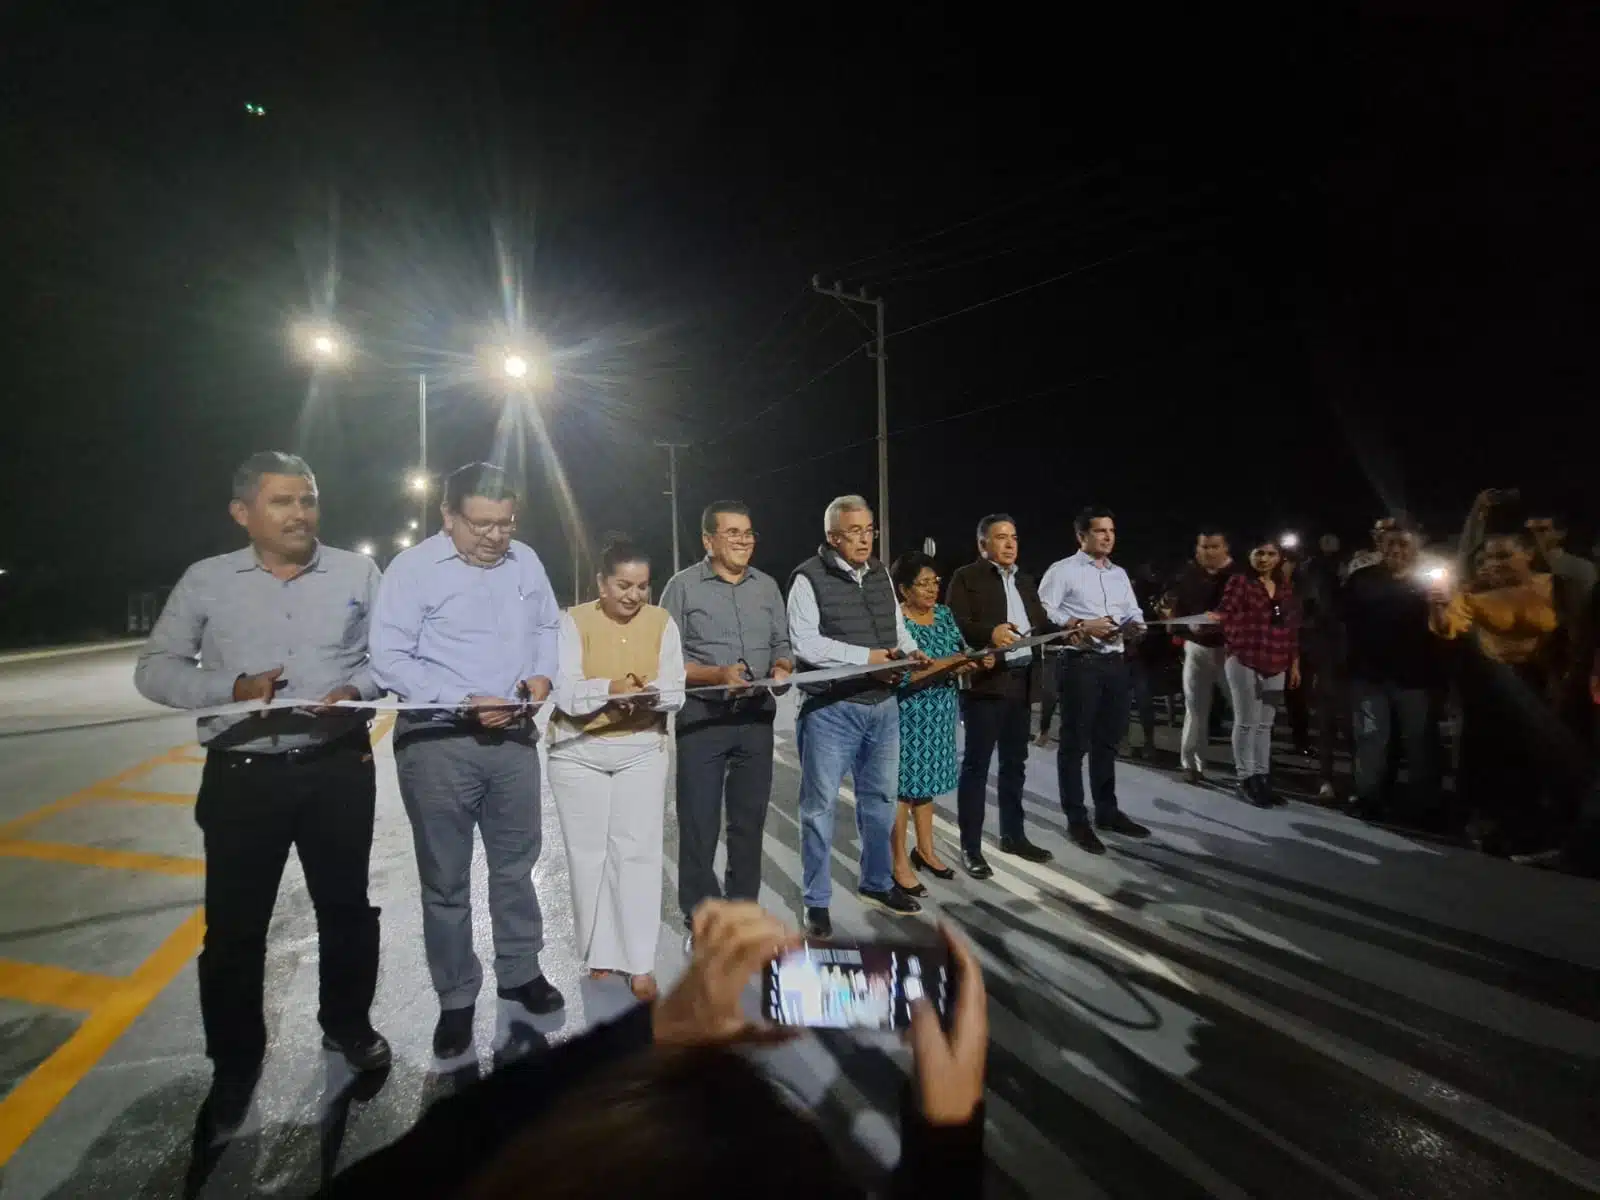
{"points": [[847, 299]]}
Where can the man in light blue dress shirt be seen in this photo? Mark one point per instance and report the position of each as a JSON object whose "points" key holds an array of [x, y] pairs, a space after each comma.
{"points": [[1091, 592], [467, 621]]}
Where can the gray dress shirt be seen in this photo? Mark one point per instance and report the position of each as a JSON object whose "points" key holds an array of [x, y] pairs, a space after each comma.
{"points": [[721, 623], [229, 616]]}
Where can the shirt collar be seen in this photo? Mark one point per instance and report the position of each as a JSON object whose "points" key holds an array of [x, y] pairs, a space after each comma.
{"points": [[248, 560], [854, 572], [708, 572], [445, 550], [1084, 558]]}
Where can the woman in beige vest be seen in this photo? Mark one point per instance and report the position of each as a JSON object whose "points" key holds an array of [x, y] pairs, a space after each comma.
{"points": [[621, 673]]}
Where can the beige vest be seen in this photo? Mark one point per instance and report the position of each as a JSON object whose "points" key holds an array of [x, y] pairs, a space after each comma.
{"points": [[612, 651]]}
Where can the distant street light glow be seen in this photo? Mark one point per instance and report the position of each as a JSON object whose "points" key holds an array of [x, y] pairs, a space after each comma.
{"points": [[516, 366], [366, 548], [324, 345], [418, 483], [1290, 541], [412, 525], [403, 540]]}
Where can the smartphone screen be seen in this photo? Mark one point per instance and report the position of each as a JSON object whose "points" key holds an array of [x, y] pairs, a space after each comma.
{"points": [[857, 985]]}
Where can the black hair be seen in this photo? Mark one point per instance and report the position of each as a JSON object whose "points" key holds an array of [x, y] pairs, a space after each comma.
{"points": [[991, 521], [908, 566], [1206, 530], [476, 479], [1090, 515], [708, 518], [247, 478], [666, 1123], [618, 550]]}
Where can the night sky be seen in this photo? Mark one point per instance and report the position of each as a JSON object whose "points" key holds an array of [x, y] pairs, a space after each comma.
{"points": [[1302, 267]]}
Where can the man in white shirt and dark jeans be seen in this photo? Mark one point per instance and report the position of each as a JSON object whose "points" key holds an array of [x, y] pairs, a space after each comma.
{"points": [[843, 612], [1090, 593]]}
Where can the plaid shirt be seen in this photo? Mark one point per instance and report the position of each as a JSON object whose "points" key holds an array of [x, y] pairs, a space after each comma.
{"points": [[1248, 628]]}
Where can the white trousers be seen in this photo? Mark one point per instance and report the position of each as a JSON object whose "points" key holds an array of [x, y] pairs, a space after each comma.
{"points": [[611, 797], [1202, 672], [1254, 709]]}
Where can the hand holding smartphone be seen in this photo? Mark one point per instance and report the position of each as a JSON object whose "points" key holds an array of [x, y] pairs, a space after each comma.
{"points": [[858, 985]]}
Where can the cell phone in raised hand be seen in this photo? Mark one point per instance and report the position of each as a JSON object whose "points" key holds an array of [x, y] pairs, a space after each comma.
{"points": [[857, 985]]}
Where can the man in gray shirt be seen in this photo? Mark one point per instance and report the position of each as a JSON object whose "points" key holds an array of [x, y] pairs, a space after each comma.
{"points": [[285, 615], [734, 629]]}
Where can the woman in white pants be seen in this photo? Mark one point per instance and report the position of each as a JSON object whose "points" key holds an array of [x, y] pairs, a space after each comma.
{"points": [[621, 673], [1260, 632]]}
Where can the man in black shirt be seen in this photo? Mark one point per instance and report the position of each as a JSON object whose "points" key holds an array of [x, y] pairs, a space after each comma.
{"points": [[1199, 590], [1395, 678]]}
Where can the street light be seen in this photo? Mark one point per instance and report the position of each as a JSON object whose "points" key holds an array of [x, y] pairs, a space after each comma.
{"points": [[516, 367], [366, 548], [412, 525], [403, 540], [418, 483], [1289, 541]]}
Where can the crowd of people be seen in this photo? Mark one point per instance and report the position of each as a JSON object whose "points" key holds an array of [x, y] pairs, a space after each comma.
{"points": [[464, 631], [1382, 647]]}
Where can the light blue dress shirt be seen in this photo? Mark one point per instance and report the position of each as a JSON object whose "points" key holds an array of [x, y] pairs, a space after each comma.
{"points": [[1016, 612], [1078, 588], [444, 629]]}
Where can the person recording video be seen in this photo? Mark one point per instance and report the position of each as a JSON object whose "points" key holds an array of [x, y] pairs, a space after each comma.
{"points": [[660, 1104]]}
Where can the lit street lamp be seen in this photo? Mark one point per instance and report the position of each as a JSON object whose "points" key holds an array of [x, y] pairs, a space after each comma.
{"points": [[516, 366], [403, 541], [412, 525], [366, 548]]}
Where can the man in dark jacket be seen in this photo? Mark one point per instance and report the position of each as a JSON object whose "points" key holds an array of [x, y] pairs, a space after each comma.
{"points": [[996, 603], [1199, 590], [1396, 678]]}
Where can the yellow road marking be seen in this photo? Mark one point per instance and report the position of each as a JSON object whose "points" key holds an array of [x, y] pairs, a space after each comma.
{"points": [[15, 826], [54, 986], [37, 1096], [94, 856], [134, 797]]}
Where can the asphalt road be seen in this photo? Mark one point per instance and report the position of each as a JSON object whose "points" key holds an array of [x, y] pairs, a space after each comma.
{"points": [[1272, 1004]]}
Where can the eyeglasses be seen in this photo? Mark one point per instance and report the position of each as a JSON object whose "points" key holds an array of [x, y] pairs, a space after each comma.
{"points": [[857, 533], [485, 528], [738, 537]]}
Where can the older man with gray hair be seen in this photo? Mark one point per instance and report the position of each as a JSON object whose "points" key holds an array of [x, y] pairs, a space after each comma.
{"points": [[843, 612]]}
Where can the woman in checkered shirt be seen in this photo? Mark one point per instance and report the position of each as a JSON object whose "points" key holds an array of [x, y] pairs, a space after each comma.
{"points": [[1261, 633]]}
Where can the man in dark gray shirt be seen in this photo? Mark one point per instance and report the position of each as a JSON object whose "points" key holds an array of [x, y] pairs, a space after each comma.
{"points": [[734, 628], [286, 615]]}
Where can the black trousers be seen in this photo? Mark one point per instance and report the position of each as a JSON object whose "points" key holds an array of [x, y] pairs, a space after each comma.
{"points": [[992, 721], [722, 764], [1094, 715], [252, 808]]}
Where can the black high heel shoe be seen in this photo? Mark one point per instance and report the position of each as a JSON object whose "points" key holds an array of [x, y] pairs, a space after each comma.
{"points": [[921, 864]]}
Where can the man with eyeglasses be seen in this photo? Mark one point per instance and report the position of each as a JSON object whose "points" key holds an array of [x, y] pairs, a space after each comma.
{"points": [[843, 612], [734, 630], [466, 620]]}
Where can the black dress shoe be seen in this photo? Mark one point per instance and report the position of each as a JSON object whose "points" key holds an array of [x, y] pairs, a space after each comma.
{"points": [[915, 889], [452, 1036], [818, 923], [1253, 789], [922, 864], [228, 1103], [1084, 838], [538, 995], [1023, 848], [974, 866], [365, 1051], [1119, 822], [894, 901]]}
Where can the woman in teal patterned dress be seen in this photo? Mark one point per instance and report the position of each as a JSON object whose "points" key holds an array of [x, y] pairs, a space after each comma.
{"points": [[928, 716]]}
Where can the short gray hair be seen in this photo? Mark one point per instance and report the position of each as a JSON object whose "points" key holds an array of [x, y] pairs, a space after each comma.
{"points": [[247, 479], [841, 505]]}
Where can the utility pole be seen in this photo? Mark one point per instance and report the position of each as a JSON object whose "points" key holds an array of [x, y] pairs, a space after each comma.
{"points": [[847, 299], [672, 449]]}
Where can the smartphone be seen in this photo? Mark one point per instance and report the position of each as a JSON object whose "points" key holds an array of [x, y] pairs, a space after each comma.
{"points": [[857, 985]]}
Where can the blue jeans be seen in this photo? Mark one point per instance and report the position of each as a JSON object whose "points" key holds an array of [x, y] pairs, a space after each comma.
{"points": [[864, 740]]}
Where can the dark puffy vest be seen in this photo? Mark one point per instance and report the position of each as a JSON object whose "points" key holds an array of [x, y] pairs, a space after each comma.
{"points": [[860, 614]]}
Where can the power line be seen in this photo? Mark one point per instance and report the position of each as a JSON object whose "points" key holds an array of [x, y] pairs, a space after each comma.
{"points": [[756, 416]]}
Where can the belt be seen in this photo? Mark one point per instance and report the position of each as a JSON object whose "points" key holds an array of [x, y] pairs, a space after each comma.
{"points": [[300, 755]]}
